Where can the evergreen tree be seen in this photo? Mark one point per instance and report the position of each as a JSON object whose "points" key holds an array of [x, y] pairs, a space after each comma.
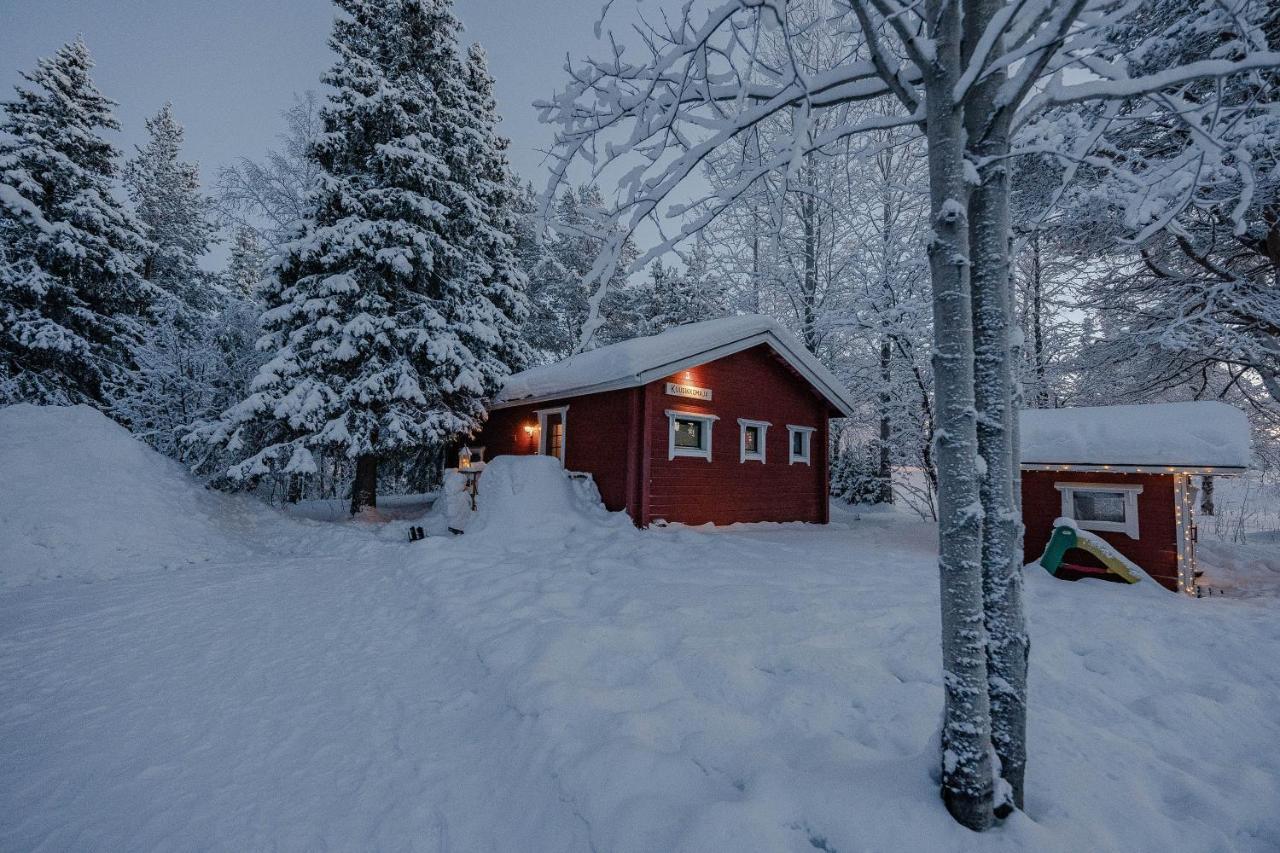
{"points": [[391, 315], [166, 195], [181, 375], [247, 265], [671, 297], [558, 287], [71, 297]]}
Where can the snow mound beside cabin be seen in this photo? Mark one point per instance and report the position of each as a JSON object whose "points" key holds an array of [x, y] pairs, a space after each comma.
{"points": [[88, 501], [533, 497]]}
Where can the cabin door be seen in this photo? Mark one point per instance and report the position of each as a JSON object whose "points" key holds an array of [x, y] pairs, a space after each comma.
{"points": [[552, 433]]}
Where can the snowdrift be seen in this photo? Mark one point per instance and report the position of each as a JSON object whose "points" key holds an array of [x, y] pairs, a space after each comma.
{"points": [[86, 500], [524, 497]]}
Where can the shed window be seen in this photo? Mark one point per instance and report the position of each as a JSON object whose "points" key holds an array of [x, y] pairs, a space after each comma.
{"points": [[1102, 506], [752, 440], [689, 434], [800, 439]]}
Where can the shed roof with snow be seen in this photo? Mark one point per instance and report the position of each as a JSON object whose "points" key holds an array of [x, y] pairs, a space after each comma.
{"points": [[1201, 434], [638, 361]]}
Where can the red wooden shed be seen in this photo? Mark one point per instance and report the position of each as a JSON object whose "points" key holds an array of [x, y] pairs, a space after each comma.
{"points": [[1128, 474], [720, 421]]}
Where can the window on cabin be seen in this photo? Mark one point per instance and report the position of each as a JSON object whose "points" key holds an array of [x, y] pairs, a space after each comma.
{"points": [[752, 440], [1108, 507], [690, 434], [801, 439], [1099, 506]]}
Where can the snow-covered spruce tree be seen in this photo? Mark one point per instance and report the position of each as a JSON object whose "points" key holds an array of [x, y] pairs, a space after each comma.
{"points": [[496, 308], [167, 199], [181, 375], [670, 296], [71, 297], [389, 317]]}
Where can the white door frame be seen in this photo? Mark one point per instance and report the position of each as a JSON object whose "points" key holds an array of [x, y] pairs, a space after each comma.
{"points": [[563, 412]]}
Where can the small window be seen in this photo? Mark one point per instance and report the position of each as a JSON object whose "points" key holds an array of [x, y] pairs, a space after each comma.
{"points": [[1102, 506], [689, 434], [800, 439], [752, 441]]}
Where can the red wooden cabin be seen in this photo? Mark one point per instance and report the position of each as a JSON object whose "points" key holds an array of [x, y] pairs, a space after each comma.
{"points": [[720, 421], [1127, 473]]}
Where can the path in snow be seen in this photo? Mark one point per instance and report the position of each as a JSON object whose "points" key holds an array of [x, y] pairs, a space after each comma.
{"points": [[314, 704]]}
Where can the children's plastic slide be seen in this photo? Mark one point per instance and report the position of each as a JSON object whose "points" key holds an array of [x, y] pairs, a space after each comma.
{"points": [[1067, 536]]}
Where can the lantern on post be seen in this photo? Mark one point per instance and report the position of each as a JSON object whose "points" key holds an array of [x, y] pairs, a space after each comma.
{"points": [[464, 459]]}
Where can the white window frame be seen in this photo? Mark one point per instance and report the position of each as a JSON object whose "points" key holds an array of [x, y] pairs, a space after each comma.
{"points": [[1129, 526], [707, 430], [743, 454], [807, 432], [563, 412]]}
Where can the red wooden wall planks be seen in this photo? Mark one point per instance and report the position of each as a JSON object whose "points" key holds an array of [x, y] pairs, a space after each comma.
{"points": [[1156, 549], [756, 385]]}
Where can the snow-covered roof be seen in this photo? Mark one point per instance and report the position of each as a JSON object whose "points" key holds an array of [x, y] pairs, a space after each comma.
{"points": [[642, 360], [1200, 434]]}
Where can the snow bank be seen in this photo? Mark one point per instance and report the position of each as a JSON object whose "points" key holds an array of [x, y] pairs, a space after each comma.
{"points": [[768, 688], [1203, 433], [533, 497], [86, 500]]}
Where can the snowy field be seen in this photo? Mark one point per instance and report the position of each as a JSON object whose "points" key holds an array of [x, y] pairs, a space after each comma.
{"points": [[183, 670]]}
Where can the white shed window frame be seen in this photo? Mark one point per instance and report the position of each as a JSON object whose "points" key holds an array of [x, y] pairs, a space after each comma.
{"points": [[1128, 527], [759, 454], [807, 431], [707, 430], [563, 412]]}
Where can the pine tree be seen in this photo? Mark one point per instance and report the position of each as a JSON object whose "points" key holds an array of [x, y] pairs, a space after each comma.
{"points": [[391, 315], [166, 195], [71, 297]]}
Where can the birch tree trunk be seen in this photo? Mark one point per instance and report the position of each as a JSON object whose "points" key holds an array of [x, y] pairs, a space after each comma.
{"points": [[987, 134], [966, 742]]}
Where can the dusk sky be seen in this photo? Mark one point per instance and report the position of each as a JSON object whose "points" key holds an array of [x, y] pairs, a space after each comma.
{"points": [[231, 66]]}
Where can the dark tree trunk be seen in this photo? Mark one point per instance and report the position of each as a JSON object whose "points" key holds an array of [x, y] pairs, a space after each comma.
{"points": [[364, 493], [294, 493], [1037, 323], [810, 226], [885, 471]]}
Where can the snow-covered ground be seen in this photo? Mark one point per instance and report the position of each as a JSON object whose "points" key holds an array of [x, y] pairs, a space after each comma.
{"points": [[560, 681]]}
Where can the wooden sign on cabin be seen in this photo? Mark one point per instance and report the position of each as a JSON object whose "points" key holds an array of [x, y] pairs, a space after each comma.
{"points": [[693, 392]]}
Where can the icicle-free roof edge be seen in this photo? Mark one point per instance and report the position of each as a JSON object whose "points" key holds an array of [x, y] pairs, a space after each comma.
{"points": [[1202, 434], [638, 361]]}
